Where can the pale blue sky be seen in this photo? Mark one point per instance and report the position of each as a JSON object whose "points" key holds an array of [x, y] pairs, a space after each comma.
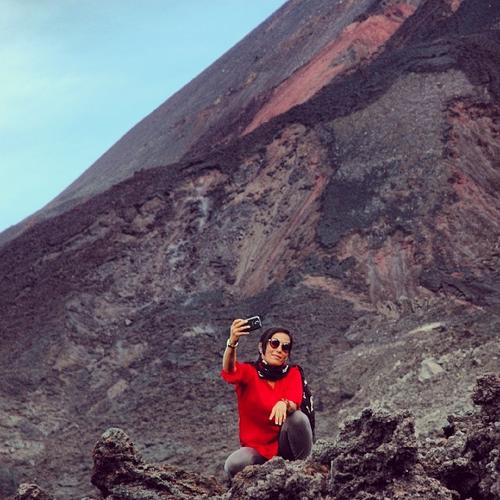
{"points": [[75, 75]]}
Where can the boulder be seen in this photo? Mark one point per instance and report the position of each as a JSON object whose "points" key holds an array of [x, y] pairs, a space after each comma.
{"points": [[467, 457], [121, 473]]}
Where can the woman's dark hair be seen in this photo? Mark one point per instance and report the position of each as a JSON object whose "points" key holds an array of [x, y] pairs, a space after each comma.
{"points": [[267, 334]]}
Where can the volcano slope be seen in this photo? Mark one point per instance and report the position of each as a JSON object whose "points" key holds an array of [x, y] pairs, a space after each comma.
{"points": [[356, 203], [332, 36]]}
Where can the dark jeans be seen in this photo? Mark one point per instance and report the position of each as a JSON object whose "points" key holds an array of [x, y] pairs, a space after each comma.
{"points": [[295, 443]]}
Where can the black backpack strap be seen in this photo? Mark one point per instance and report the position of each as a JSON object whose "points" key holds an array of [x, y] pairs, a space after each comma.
{"points": [[307, 405]]}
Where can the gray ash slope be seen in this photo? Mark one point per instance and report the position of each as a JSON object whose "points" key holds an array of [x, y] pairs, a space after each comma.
{"points": [[364, 216]]}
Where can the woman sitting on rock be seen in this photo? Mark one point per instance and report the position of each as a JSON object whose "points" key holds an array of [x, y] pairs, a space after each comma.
{"points": [[269, 394]]}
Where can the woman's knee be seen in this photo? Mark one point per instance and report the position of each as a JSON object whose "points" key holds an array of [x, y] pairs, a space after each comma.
{"points": [[239, 459], [297, 420]]}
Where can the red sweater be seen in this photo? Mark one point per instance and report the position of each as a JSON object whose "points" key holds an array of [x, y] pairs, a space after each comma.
{"points": [[256, 399]]}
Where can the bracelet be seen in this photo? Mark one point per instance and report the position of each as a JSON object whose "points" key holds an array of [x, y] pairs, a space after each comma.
{"points": [[232, 346]]}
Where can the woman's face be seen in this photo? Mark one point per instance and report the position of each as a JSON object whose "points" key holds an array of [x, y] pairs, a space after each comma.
{"points": [[277, 357]]}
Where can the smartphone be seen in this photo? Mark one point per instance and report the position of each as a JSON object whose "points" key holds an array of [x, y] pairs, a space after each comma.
{"points": [[254, 322]]}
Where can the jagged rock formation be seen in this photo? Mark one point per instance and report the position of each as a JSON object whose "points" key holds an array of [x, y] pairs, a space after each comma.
{"points": [[376, 456], [120, 472], [468, 458], [372, 452], [349, 193]]}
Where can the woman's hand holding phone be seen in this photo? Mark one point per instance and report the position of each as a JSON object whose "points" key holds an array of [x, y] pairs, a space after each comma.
{"points": [[239, 328]]}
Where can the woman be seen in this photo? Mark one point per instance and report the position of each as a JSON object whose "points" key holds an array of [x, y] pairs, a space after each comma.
{"points": [[269, 395]]}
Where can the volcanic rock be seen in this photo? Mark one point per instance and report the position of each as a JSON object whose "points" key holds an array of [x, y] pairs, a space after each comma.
{"points": [[120, 473], [468, 460], [375, 456], [372, 451]]}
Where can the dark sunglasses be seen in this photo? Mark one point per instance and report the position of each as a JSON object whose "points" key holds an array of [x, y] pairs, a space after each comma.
{"points": [[275, 343]]}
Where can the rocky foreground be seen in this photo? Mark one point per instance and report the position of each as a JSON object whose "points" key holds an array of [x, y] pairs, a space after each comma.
{"points": [[377, 456]]}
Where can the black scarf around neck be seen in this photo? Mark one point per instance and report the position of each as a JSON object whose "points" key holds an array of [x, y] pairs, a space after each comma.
{"points": [[270, 372]]}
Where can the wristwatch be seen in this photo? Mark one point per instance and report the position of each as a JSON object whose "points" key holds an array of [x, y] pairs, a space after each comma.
{"points": [[232, 346]]}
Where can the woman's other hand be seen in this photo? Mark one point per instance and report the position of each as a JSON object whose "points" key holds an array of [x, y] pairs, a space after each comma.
{"points": [[279, 412], [239, 328]]}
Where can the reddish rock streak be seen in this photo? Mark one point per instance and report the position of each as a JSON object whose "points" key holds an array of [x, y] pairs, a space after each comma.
{"points": [[356, 43]]}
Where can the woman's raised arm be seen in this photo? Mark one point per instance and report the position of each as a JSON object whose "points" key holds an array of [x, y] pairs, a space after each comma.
{"points": [[239, 328]]}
